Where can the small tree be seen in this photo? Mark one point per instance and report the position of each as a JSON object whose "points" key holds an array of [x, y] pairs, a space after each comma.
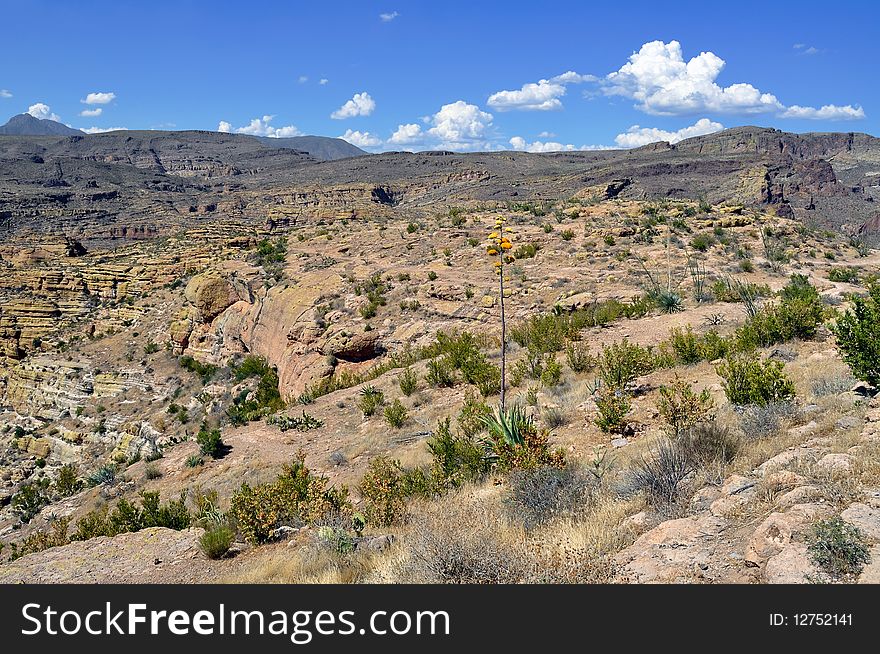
{"points": [[681, 408], [499, 247], [858, 336]]}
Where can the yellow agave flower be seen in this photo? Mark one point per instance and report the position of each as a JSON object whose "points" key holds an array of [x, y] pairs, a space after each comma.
{"points": [[492, 251]]}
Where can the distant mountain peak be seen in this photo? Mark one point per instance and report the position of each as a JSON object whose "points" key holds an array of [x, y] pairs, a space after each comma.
{"points": [[27, 125]]}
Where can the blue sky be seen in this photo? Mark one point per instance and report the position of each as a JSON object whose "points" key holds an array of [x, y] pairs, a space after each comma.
{"points": [[397, 75]]}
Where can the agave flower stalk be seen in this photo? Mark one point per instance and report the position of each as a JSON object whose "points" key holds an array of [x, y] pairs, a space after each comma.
{"points": [[499, 247]]}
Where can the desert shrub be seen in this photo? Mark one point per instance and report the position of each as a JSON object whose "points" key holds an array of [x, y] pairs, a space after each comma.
{"points": [[713, 346], [470, 418], [845, 275], [613, 405], [386, 486], [765, 420], [702, 242], [459, 543], [705, 443], [396, 414], [217, 540], [42, 539], [798, 315], [68, 482], [554, 417], [832, 384], [749, 380], [104, 475], [265, 399], [409, 381], [681, 408], [660, 474], [537, 495], [578, 357], [542, 332], [128, 517], [858, 336], [525, 251], [668, 301], [194, 461], [251, 366], [210, 442], [152, 471], [370, 399], [457, 459], [515, 442], [552, 373], [28, 501], [620, 363], [297, 496], [205, 371], [440, 373], [686, 345], [304, 422], [838, 547]]}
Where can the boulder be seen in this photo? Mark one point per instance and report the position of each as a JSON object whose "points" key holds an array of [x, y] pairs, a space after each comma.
{"points": [[210, 294], [866, 518]]}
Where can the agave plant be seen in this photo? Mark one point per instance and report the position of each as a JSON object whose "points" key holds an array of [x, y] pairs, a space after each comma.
{"points": [[509, 424]]}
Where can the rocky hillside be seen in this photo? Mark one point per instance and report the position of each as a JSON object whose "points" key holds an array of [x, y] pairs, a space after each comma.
{"points": [[182, 313]]}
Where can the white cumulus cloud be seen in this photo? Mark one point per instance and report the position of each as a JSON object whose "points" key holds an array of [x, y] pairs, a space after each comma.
{"points": [[460, 126], [5, 93], [826, 112], [303, 79], [637, 136], [361, 104], [388, 17], [662, 83], [406, 134], [101, 130], [361, 139], [99, 98], [542, 95], [323, 81], [519, 143], [91, 113], [43, 112], [260, 127]]}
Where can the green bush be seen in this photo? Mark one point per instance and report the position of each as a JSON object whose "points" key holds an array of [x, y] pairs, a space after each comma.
{"points": [[702, 242], [613, 405], [457, 459], [680, 408], [798, 315], [210, 442], [217, 540], [620, 363], [440, 373], [409, 381], [386, 486], [28, 501], [396, 414], [296, 497], [686, 345], [68, 482], [858, 336], [205, 371], [838, 547], [471, 416], [514, 442], [552, 373], [845, 275], [749, 380], [578, 357], [369, 400], [265, 399]]}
